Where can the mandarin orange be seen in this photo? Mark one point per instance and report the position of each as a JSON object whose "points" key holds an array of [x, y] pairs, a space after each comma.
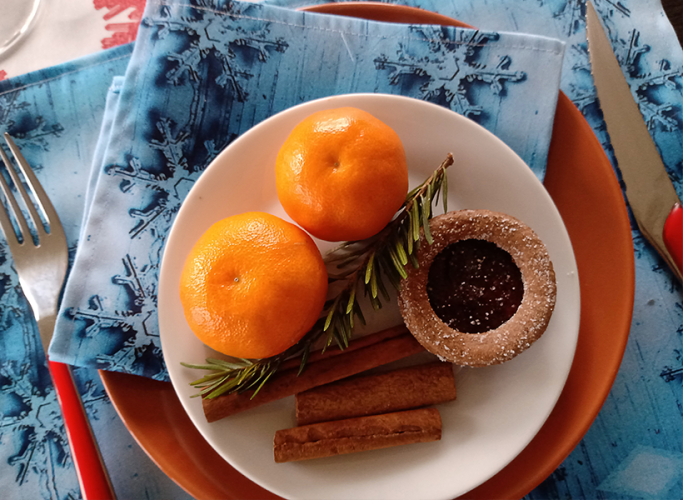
{"points": [[342, 174], [253, 285]]}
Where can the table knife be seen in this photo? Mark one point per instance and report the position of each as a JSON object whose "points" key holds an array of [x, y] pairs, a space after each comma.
{"points": [[656, 206]]}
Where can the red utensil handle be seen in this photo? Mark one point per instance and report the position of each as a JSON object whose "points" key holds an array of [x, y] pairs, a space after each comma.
{"points": [[673, 235], [92, 475]]}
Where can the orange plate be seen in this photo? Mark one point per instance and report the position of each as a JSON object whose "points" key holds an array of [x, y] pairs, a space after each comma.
{"points": [[585, 189]]}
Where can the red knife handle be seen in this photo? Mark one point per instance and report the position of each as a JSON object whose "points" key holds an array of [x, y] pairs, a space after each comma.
{"points": [[92, 475], [673, 235]]}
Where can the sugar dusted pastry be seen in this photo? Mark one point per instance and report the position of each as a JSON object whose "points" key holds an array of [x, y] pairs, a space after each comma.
{"points": [[484, 291]]}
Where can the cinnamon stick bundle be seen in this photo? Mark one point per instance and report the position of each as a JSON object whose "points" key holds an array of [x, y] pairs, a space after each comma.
{"points": [[402, 389], [363, 354], [352, 435]]}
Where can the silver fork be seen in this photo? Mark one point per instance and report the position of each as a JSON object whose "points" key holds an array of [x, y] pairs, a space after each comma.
{"points": [[41, 267]]}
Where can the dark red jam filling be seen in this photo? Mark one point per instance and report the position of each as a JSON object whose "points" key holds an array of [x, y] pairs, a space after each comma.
{"points": [[474, 286]]}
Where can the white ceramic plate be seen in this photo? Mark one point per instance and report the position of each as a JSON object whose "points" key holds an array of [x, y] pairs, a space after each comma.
{"points": [[498, 410]]}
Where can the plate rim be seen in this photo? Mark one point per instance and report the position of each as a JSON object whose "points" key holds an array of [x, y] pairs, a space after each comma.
{"points": [[329, 102]]}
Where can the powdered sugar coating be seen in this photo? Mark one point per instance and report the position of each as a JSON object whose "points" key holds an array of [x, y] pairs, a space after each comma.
{"points": [[514, 336]]}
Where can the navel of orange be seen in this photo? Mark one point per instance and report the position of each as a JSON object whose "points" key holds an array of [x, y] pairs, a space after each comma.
{"points": [[253, 285], [342, 174]]}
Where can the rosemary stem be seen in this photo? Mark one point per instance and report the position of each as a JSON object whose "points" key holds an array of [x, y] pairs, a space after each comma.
{"points": [[362, 264]]}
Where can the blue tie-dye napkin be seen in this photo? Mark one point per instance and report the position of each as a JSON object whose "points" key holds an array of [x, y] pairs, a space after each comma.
{"points": [[200, 76]]}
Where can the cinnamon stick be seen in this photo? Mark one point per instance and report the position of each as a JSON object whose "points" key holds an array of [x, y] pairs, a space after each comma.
{"points": [[323, 370], [358, 343], [352, 435], [402, 389]]}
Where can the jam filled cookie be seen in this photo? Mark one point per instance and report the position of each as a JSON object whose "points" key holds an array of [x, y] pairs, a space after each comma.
{"points": [[484, 290]]}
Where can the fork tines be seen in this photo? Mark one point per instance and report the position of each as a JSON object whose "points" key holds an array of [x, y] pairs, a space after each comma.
{"points": [[43, 201]]}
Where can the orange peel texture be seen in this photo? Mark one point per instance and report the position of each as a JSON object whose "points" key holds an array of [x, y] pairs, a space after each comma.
{"points": [[253, 285], [342, 174]]}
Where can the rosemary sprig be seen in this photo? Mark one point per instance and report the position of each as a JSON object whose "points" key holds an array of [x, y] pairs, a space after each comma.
{"points": [[359, 266]]}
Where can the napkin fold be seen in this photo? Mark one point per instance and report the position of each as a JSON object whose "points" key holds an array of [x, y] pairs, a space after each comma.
{"points": [[201, 75]]}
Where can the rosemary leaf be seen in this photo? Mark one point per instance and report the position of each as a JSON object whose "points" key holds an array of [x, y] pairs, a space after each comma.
{"points": [[330, 314], [397, 264], [415, 221], [391, 273], [328, 343], [412, 192], [352, 299], [425, 207], [394, 258], [428, 232], [204, 390], [338, 334], [222, 388], [373, 284], [400, 252], [253, 380], [200, 367], [244, 375], [209, 387], [256, 379], [368, 268], [206, 378], [228, 364], [348, 330], [265, 379], [425, 221], [414, 261], [304, 359], [409, 241]]}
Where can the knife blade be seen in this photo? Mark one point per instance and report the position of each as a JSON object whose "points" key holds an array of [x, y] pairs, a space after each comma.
{"points": [[650, 193]]}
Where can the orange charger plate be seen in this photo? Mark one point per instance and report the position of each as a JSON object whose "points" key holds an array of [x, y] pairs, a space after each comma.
{"points": [[585, 189]]}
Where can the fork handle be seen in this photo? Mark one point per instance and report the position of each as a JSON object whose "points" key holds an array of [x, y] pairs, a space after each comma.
{"points": [[92, 474]]}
